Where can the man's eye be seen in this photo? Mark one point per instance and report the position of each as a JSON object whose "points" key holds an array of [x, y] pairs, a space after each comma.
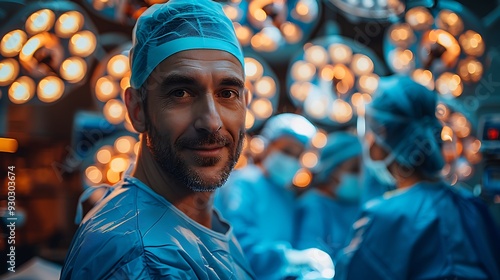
{"points": [[179, 93], [228, 93]]}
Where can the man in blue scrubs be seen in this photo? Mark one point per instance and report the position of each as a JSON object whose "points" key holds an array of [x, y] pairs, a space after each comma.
{"points": [[425, 229], [187, 100]]}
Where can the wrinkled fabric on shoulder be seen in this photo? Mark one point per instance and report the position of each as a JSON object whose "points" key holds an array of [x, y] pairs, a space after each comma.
{"points": [[134, 233], [423, 232]]}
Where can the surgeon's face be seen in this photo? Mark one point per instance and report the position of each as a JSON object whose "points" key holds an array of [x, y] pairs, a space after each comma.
{"points": [[195, 114]]}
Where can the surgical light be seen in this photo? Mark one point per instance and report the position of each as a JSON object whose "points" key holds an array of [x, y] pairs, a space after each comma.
{"points": [[48, 54], [442, 48], [263, 86], [461, 149], [332, 78], [273, 28], [382, 10]]}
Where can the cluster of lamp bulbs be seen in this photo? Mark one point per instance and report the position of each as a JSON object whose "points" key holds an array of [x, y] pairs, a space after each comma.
{"points": [[46, 56], [439, 52]]}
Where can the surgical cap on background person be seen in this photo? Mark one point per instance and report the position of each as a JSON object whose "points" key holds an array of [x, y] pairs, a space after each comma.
{"points": [[340, 146], [402, 117], [288, 124], [178, 25]]}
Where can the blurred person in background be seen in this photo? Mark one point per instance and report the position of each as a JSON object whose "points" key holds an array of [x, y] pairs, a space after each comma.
{"points": [[326, 212], [187, 100], [259, 200], [425, 229]]}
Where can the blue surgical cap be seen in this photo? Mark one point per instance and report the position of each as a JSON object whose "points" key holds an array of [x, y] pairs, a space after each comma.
{"points": [[340, 147], [178, 25], [291, 125], [402, 116]]}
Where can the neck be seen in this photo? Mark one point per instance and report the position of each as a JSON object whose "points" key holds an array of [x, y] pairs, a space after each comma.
{"points": [[196, 205]]}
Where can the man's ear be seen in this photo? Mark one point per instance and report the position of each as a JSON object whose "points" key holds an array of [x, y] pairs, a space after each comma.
{"points": [[135, 109]]}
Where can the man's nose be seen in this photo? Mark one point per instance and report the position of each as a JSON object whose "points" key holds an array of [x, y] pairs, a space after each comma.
{"points": [[207, 114]]}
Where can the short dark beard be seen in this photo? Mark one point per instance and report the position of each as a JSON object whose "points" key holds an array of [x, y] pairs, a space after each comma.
{"points": [[172, 164]]}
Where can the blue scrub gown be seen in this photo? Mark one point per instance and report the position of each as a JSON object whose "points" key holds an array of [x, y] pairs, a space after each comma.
{"points": [[262, 215], [134, 233], [428, 231], [324, 222]]}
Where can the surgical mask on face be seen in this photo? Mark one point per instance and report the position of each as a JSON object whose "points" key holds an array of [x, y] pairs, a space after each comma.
{"points": [[378, 168], [349, 188], [281, 168]]}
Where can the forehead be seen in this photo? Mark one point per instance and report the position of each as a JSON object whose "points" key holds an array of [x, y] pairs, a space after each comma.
{"points": [[199, 62]]}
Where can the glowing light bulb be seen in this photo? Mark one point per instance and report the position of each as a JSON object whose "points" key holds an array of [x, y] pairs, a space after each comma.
{"points": [[9, 69], [341, 111], [302, 178], [472, 43], [69, 23], [257, 145], [319, 140], [119, 164], [125, 144], [253, 69], [249, 120], [361, 64], [402, 35], [423, 77], [450, 22], [316, 55], [106, 88], [12, 42], [82, 43], [93, 174], [22, 90], [291, 32], [262, 108], [265, 87], [243, 33], [303, 71], [470, 70], [401, 60], [449, 83], [114, 111], [50, 89], [300, 90], [118, 65], [112, 176], [368, 83], [231, 12], [309, 159], [40, 21], [419, 18], [104, 154], [447, 133], [73, 69], [340, 53]]}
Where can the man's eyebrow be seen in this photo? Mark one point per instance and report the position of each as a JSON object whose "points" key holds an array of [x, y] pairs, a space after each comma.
{"points": [[232, 81], [177, 79]]}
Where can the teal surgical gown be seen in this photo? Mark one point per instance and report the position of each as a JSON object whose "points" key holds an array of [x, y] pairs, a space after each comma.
{"points": [[324, 222], [428, 231], [262, 215], [134, 233]]}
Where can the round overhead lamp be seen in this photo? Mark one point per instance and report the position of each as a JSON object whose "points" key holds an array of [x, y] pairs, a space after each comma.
{"points": [[109, 159], [332, 78], [461, 148], [48, 53], [442, 48], [125, 12], [381, 10], [263, 87], [273, 28], [110, 80]]}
